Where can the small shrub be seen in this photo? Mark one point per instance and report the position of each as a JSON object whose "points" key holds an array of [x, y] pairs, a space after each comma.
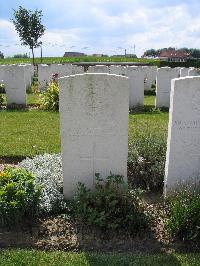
{"points": [[146, 161], [47, 170], [19, 196], [150, 92], [184, 215], [2, 88], [50, 97], [1, 100], [111, 205]]}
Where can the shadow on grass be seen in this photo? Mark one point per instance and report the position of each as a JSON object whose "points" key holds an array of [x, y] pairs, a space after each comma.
{"points": [[148, 109], [11, 159]]}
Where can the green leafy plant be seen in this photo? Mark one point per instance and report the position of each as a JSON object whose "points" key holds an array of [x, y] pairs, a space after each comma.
{"points": [[29, 27], [111, 205], [50, 97], [19, 196], [183, 219], [1, 100], [2, 88], [146, 161]]}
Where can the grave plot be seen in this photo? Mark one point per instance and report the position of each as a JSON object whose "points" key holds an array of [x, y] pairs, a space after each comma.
{"points": [[94, 128], [183, 147]]}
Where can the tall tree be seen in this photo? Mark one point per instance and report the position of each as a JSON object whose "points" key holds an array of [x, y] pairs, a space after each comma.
{"points": [[29, 27]]}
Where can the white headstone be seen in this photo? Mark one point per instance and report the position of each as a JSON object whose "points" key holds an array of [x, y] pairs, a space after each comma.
{"points": [[98, 69], [45, 75], [29, 72], [94, 128], [77, 70], [2, 69], [136, 89], [147, 77], [61, 69], [184, 72], [15, 84], [193, 72], [183, 145], [163, 85], [117, 70]]}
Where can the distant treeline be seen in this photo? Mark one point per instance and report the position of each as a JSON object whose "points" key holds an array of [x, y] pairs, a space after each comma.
{"points": [[193, 52], [1, 55]]}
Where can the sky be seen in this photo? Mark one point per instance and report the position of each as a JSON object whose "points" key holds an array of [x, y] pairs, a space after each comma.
{"points": [[105, 26]]}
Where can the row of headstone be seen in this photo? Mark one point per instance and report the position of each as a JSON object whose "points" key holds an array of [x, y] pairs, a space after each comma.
{"points": [[140, 79], [163, 83], [23, 74], [46, 72], [17, 79], [94, 130]]}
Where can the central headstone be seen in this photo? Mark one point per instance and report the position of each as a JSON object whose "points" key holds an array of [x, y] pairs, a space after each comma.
{"points": [[94, 128], [183, 147]]}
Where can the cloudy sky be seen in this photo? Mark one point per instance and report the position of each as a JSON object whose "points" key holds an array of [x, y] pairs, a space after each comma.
{"points": [[106, 26]]}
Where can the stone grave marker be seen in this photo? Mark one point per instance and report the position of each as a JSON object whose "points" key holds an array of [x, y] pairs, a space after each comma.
{"points": [[15, 84], [184, 72], [136, 86], [94, 128], [183, 144], [98, 69], [163, 85]]}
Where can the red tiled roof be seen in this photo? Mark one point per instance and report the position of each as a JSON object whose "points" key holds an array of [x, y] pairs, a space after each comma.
{"points": [[173, 54]]}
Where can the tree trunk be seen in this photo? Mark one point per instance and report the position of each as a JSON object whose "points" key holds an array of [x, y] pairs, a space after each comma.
{"points": [[33, 55]]}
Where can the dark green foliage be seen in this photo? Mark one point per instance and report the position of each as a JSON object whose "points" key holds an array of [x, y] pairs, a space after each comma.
{"points": [[20, 56], [28, 25], [2, 88], [111, 205], [146, 161], [50, 97], [1, 55], [1, 100], [19, 197], [150, 92], [184, 215]]}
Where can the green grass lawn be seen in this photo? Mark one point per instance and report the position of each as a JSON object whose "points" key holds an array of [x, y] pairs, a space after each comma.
{"points": [[56, 258], [149, 100], [50, 60], [27, 133]]}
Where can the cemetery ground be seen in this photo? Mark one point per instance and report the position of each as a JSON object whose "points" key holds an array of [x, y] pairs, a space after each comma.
{"points": [[31, 132]]}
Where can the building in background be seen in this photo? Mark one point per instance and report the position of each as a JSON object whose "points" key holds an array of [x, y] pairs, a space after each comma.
{"points": [[74, 54]]}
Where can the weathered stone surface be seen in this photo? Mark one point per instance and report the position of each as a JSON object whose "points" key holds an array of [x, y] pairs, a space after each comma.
{"points": [[193, 72], [77, 70], [184, 72], [136, 87], [183, 145], [117, 70], [98, 69], [15, 84], [94, 128], [163, 85], [44, 75]]}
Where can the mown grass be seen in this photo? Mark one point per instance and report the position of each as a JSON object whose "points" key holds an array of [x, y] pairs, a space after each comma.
{"points": [[27, 133], [50, 60], [58, 258]]}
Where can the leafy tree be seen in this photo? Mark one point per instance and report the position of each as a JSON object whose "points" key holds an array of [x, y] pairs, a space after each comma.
{"points": [[20, 56], [28, 25], [1, 55]]}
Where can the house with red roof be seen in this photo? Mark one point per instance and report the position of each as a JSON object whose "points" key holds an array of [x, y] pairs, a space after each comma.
{"points": [[174, 56]]}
